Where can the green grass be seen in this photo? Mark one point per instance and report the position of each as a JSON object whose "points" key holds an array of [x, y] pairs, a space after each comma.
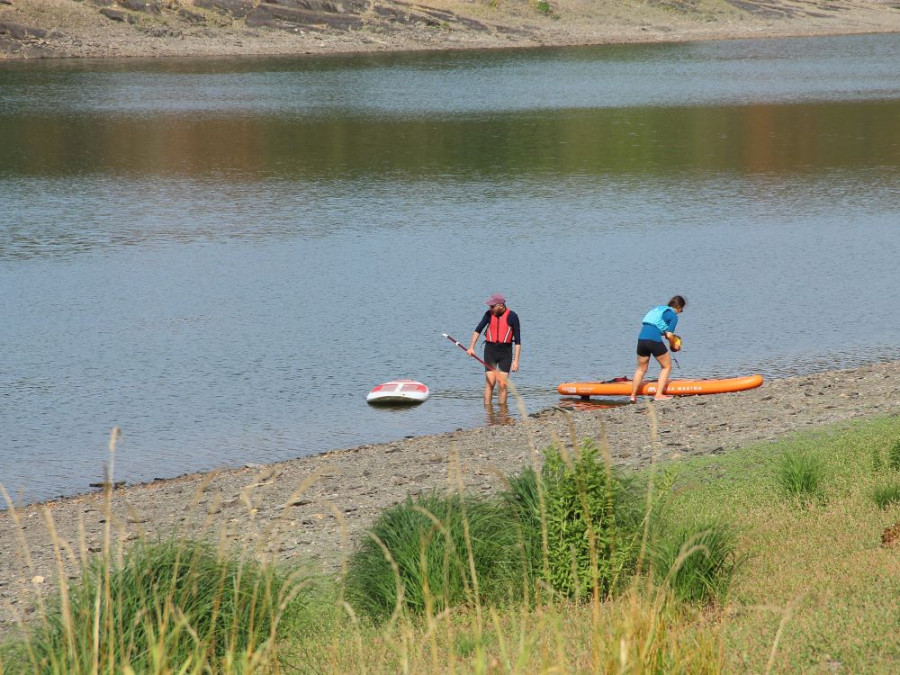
{"points": [[818, 593], [803, 590], [176, 604], [731, 577], [543, 7]]}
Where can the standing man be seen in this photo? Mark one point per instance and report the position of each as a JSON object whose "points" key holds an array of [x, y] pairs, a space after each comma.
{"points": [[502, 331], [657, 324]]}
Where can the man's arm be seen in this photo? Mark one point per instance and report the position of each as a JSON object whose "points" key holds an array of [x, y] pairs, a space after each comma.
{"points": [[480, 327], [473, 342], [517, 338]]}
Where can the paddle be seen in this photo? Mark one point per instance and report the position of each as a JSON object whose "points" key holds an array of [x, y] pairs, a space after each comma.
{"points": [[457, 343], [675, 344]]}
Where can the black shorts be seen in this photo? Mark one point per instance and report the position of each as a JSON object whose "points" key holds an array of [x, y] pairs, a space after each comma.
{"points": [[648, 347], [499, 355]]}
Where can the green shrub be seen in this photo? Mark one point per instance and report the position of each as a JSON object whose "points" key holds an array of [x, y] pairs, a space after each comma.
{"points": [[592, 522], [801, 475], [885, 495], [429, 541], [697, 562], [523, 496], [167, 605], [894, 456]]}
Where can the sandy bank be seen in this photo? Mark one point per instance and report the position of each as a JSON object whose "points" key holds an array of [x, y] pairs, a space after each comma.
{"points": [[314, 508], [31, 29]]}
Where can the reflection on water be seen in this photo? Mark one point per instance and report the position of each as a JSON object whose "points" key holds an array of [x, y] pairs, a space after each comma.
{"points": [[615, 142], [600, 403], [497, 414], [223, 258]]}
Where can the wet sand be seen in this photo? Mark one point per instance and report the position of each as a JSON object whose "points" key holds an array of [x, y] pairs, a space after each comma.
{"points": [[314, 509]]}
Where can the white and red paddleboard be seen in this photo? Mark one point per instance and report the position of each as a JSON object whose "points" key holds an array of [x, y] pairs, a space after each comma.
{"points": [[398, 391]]}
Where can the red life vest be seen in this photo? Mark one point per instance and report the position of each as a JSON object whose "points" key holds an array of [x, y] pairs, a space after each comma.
{"points": [[499, 329]]}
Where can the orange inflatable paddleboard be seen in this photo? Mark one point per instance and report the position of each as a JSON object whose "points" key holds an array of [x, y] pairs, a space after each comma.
{"points": [[673, 388]]}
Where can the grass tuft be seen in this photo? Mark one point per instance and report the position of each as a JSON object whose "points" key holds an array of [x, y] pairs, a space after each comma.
{"points": [[885, 495], [169, 606], [877, 459], [801, 475], [434, 552], [698, 562], [894, 456]]}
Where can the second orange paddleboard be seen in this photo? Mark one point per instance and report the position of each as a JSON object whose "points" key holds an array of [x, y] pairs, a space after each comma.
{"points": [[674, 387]]}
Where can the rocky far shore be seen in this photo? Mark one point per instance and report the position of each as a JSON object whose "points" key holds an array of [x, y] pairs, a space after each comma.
{"points": [[35, 29], [313, 509]]}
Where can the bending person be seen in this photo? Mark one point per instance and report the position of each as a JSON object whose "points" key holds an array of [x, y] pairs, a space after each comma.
{"points": [[658, 324], [502, 326]]}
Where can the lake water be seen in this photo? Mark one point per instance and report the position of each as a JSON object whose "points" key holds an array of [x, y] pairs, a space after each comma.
{"points": [[223, 257]]}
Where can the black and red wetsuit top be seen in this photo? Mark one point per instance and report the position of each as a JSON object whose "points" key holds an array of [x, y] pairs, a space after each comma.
{"points": [[503, 329]]}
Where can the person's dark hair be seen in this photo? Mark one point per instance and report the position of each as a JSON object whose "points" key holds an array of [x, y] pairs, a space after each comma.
{"points": [[678, 301]]}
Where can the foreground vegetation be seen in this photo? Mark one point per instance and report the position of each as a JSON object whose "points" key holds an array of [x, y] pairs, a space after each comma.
{"points": [[766, 559]]}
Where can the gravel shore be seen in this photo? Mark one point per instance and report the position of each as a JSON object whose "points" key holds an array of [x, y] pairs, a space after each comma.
{"points": [[38, 29], [314, 509]]}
